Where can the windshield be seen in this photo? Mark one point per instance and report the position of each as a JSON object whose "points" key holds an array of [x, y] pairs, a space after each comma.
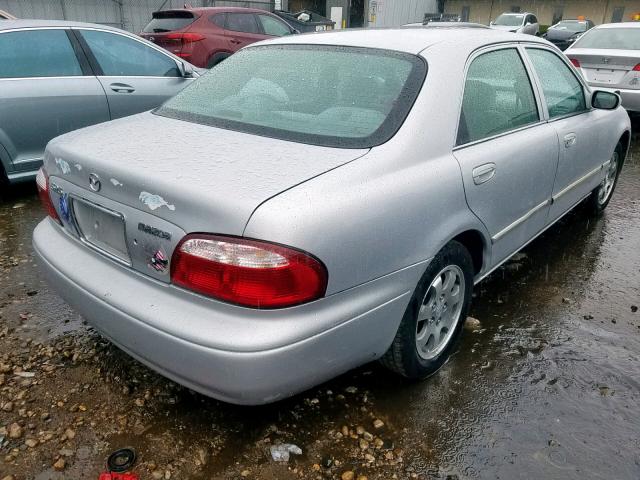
{"points": [[509, 20], [610, 38], [577, 26], [324, 95], [168, 21]]}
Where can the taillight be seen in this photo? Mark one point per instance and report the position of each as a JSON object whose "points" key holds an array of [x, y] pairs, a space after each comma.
{"points": [[42, 182], [636, 68], [186, 37], [250, 273], [575, 62]]}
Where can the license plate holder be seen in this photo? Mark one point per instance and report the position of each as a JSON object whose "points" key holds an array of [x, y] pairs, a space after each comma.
{"points": [[101, 229]]}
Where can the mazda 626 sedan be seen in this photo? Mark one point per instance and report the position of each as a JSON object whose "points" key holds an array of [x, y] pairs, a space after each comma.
{"points": [[317, 202]]}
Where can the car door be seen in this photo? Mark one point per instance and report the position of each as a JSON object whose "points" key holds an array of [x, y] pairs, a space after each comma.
{"points": [[581, 131], [242, 29], [135, 76], [507, 153], [46, 89]]}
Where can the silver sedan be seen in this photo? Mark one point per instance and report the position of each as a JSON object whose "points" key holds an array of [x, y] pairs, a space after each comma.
{"points": [[317, 202], [609, 58]]}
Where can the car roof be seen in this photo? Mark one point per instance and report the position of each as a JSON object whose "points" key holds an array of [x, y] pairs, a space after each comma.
{"points": [[407, 39], [620, 25], [445, 25], [21, 23], [205, 10]]}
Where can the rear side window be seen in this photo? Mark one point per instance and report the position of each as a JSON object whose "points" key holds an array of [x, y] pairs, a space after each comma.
{"points": [[120, 56], [169, 21], [218, 19], [242, 22], [273, 26], [498, 97], [37, 53], [562, 90]]}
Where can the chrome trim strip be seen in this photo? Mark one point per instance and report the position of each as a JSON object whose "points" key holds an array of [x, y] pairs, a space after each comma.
{"points": [[67, 77], [489, 272], [573, 185], [520, 220]]}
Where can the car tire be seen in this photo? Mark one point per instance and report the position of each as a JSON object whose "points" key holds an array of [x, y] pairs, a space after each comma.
{"points": [[601, 195], [416, 353], [217, 58]]}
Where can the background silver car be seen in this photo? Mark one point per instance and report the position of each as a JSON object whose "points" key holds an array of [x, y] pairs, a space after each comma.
{"points": [[331, 202], [59, 76], [524, 22], [609, 58]]}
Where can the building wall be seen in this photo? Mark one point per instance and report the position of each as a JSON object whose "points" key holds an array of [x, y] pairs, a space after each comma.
{"points": [[599, 11], [130, 15], [392, 13]]}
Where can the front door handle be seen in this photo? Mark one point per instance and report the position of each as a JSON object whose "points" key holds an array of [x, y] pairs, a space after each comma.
{"points": [[235, 42], [483, 173], [122, 88], [570, 140]]}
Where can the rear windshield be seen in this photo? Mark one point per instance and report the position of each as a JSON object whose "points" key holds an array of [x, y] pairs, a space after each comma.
{"points": [[577, 26], [509, 20], [323, 95], [169, 21], [610, 38]]}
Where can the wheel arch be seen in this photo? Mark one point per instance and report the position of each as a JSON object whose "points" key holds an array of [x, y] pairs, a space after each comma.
{"points": [[625, 139], [477, 246]]}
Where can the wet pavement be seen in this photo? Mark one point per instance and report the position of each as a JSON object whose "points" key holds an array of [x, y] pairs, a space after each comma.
{"points": [[547, 385]]}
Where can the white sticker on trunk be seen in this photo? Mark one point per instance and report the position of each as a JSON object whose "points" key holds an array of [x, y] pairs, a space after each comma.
{"points": [[154, 201]]}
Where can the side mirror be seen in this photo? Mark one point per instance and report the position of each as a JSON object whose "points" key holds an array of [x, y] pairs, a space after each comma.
{"points": [[491, 23], [186, 70], [605, 100]]}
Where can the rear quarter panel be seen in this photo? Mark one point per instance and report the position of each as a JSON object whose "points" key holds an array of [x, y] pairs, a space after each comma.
{"points": [[395, 207]]}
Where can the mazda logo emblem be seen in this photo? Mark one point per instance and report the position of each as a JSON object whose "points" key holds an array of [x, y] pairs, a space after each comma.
{"points": [[94, 182]]}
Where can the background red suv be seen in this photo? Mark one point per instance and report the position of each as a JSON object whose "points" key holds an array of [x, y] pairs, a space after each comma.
{"points": [[206, 36]]}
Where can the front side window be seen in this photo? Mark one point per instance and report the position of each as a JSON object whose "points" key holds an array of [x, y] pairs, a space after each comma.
{"points": [[120, 56], [562, 90], [37, 53], [242, 22], [273, 26], [323, 95], [498, 96]]}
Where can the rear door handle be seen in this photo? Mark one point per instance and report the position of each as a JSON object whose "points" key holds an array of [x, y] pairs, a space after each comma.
{"points": [[122, 88], [483, 173], [570, 140]]}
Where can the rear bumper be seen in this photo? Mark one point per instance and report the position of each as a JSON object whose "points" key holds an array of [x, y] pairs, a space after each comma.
{"points": [[231, 353]]}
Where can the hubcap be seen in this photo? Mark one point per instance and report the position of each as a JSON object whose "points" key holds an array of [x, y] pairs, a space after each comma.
{"points": [[606, 187], [439, 312]]}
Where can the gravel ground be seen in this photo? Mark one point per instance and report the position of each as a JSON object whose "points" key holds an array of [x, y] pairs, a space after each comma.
{"points": [[546, 382]]}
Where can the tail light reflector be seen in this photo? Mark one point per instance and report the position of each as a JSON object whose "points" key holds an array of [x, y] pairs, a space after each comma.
{"points": [[42, 182], [186, 37], [575, 62], [636, 68], [250, 273]]}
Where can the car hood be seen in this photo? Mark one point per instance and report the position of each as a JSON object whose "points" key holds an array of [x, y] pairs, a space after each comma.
{"points": [[558, 34], [197, 177], [505, 28]]}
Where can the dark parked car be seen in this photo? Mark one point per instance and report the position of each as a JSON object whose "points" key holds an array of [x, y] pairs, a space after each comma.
{"points": [[206, 36], [565, 32]]}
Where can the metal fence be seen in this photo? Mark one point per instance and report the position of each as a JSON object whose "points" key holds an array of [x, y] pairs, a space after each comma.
{"points": [[130, 15]]}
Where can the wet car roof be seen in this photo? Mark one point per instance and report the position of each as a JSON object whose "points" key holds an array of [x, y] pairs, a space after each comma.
{"points": [[406, 39], [13, 24]]}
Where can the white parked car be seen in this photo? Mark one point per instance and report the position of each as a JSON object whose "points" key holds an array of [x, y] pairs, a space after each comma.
{"points": [[526, 23]]}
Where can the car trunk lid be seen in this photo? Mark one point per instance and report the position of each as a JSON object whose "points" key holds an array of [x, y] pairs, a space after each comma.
{"points": [[160, 178], [608, 68]]}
